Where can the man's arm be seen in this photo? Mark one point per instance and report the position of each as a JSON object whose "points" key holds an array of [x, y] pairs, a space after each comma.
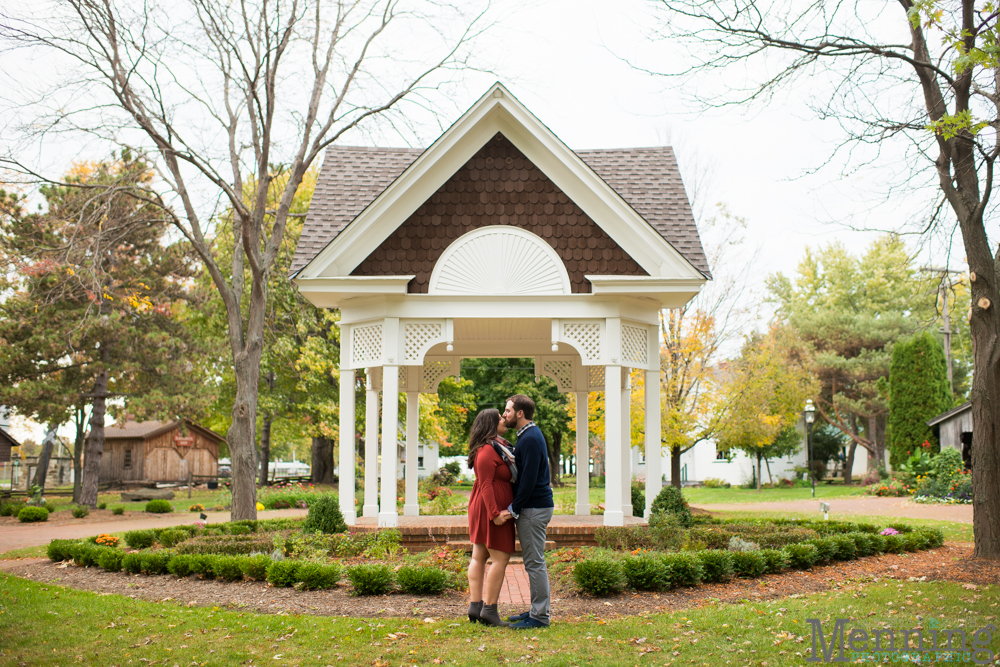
{"points": [[527, 471]]}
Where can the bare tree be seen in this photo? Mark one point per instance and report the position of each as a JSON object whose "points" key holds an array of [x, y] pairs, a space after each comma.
{"points": [[226, 97], [924, 74]]}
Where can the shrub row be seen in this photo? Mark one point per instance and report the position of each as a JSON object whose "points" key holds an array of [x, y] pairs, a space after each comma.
{"points": [[653, 571], [366, 579], [227, 545]]}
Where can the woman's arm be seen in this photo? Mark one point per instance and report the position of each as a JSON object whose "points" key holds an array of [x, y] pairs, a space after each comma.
{"points": [[486, 467]]}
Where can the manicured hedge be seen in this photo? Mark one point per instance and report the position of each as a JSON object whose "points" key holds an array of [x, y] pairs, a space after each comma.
{"points": [[32, 514], [599, 576], [422, 580], [370, 579]]}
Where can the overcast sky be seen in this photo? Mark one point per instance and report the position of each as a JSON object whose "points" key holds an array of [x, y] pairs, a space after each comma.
{"points": [[563, 60]]}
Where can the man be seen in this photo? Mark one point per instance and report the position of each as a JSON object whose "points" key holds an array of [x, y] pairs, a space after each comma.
{"points": [[532, 507]]}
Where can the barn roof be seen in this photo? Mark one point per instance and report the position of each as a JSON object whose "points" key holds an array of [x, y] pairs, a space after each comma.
{"points": [[6, 442], [145, 430], [944, 416]]}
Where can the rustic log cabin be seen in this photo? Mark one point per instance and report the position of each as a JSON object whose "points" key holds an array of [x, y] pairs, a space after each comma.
{"points": [[7, 442], [156, 451]]}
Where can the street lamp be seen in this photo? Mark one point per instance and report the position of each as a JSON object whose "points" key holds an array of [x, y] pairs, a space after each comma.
{"points": [[809, 413]]}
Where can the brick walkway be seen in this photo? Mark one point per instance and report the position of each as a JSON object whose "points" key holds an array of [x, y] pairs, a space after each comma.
{"points": [[515, 590]]}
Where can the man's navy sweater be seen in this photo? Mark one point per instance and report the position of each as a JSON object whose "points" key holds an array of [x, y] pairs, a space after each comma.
{"points": [[533, 487]]}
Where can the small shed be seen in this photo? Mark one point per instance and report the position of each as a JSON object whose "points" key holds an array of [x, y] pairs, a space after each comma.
{"points": [[7, 442], [954, 429], [159, 451]]}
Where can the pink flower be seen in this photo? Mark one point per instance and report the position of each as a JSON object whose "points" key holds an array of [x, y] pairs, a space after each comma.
{"points": [[890, 531]]}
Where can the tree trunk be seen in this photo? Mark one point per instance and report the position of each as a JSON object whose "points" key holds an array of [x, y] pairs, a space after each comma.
{"points": [[758, 471], [675, 467], [242, 433], [849, 463], [878, 437], [95, 443], [555, 454], [78, 445], [322, 461], [42, 471], [265, 449], [767, 462]]}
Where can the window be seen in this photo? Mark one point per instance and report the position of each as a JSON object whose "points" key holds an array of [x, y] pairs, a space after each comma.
{"points": [[420, 462], [128, 459], [720, 455], [642, 456]]}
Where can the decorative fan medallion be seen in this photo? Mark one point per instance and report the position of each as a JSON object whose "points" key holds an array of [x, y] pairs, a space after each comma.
{"points": [[499, 260]]}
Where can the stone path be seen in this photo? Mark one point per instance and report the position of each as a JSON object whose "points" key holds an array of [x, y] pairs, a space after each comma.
{"points": [[515, 589], [20, 535], [856, 506]]}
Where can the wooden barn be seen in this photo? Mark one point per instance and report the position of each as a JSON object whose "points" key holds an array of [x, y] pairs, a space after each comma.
{"points": [[7, 442], [158, 451]]}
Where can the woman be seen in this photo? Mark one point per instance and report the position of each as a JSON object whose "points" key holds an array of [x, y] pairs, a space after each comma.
{"points": [[491, 531]]}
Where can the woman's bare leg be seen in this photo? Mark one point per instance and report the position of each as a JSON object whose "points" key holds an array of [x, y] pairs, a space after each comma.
{"points": [[477, 571], [494, 578]]}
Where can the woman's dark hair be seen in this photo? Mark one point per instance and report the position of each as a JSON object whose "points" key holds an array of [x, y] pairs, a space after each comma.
{"points": [[483, 428]]}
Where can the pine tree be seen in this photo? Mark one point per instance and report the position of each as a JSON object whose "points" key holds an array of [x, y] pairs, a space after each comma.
{"points": [[918, 380]]}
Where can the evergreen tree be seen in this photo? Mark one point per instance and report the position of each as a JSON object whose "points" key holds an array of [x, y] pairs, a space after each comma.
{"points": [[918, 381]]}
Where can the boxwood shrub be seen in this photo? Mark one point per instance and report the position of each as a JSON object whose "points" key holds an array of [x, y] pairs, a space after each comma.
{"points": [[140, 539], [826, 549], [749, 564], [155, 562], [776, 559], [846, 548], [118, 511], [598, 576], [171, 538], [422, 580], [132, 563], [201, 564], [671, 501], [283, 573], [32, 514], [318, 576], [685, 569], [228, 568], [878, 543], [370, 579], [716, 565], [85, 554], [935, 537], [111, 559], [255, 567], [915, 541], [80, 511], [180, 565], [624, 538], [60, 550], [801, 556], [325, 516], [159, 506], [646, 572], [894, 544]]}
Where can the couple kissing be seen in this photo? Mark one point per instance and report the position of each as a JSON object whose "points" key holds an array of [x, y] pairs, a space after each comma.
{"points": [[512, 488]]}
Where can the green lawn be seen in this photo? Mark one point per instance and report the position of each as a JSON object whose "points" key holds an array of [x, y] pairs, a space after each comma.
{"points": [[115, 630]]}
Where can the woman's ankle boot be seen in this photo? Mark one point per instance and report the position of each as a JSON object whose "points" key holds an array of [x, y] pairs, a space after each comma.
{"points": [[490, 616], [475, 609]]}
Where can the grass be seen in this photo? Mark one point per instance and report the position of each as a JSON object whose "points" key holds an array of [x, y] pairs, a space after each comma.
{"points": [[26, 552], [115, 630]]}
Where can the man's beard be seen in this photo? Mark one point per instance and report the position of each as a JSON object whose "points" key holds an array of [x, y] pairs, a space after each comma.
{"points": [[510, 424]]}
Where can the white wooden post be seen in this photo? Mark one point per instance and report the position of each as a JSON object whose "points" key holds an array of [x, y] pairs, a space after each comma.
{"points": [[626, 451], [654, 474], [613, 515], [347, 461], [388, 517], [582, 454], [411, 506], [371, 447]]}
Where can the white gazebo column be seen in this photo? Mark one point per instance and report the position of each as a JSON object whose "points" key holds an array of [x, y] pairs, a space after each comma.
{"points": [[626, 451], [411, 506], [346, 481], [613, 515], [582, 454], [371, 447], [388, 517], [654, 474]]}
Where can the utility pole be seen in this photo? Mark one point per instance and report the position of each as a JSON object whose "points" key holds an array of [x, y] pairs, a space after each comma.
{"points": [[945, 284]]}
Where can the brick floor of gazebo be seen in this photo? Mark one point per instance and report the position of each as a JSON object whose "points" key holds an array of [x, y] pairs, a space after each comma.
{"points": [[420, 533]]}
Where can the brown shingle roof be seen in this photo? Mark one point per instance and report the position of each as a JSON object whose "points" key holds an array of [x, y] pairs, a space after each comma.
{"points": [[648, 179], [148, 429]]}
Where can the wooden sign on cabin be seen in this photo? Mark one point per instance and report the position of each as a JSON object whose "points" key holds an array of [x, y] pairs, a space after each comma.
{"points": [[184, 442]]}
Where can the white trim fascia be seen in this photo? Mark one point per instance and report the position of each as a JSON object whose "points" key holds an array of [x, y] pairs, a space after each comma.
{"points": [[642, 285], [330, 292], [499, 111]]}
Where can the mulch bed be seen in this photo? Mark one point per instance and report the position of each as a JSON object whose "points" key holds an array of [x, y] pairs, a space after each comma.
{"points": [[952, 562]]}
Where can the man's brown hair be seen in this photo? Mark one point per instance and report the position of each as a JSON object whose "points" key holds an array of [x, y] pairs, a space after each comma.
{"points": [[523, 404]]}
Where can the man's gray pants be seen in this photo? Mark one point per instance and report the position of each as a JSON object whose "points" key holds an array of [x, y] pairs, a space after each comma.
{"points": [[531, 526]]}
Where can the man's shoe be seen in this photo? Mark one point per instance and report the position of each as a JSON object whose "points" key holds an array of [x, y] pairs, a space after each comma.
{"points": [[519, 617], [528, 624]]}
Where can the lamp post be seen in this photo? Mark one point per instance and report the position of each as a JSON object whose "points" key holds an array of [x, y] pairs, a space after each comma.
{"points": [[809, 413]]}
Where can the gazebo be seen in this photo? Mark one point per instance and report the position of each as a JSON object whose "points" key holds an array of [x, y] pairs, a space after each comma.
{"points": [[498, 241]]}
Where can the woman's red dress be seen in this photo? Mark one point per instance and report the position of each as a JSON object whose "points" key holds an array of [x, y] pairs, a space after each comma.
{"points": [[491, 494]]}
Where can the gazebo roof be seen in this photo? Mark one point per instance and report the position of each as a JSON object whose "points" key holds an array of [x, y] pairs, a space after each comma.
{"points": [[382, 220], [648, 179]]}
